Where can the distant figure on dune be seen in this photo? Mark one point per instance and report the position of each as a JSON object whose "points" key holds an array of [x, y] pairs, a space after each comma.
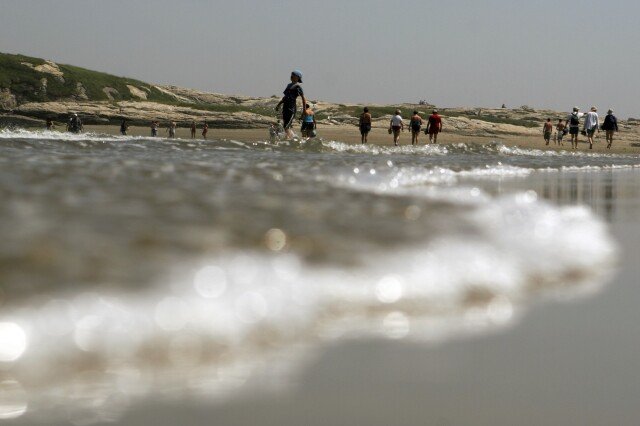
{"points": [[591, 125], [561, 130], [193, 129], [434, 126], [75, 124], [415, 124], [205, 130], [308, 128], [172, 130], [396, 126], [289, 101], [574, 126], [610, 126], [547, 130], [124, 127], [154, 129], [365, 125]]}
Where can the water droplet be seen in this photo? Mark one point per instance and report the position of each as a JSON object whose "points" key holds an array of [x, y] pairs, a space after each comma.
{"points": [[389, 289], [210, 282], [13, 341], [275, 239]]}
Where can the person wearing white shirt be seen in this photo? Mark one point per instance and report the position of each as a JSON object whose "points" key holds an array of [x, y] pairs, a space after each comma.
{"points": [[396, 126], [591, 125]]}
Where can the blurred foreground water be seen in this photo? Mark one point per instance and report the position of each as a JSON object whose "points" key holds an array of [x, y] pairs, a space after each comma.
{"points": [[136, 269]]}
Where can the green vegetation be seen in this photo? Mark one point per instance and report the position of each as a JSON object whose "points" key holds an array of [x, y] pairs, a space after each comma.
{"points": [[26, 83]]}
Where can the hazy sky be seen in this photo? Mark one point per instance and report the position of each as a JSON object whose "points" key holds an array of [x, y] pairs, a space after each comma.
{"points": [[544, 53]]}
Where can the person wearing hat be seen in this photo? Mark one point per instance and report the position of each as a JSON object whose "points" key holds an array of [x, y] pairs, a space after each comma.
{"points": [[289, 100], [434, 126], [610, 126], [574, 126], [591, 125], [75, 124]]}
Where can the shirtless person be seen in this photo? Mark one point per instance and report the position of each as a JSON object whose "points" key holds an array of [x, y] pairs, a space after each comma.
{"points": [[365, 125], [547, 130], [193, 129], [560, 131], [205, 130], [416, 125], [434, 126]]}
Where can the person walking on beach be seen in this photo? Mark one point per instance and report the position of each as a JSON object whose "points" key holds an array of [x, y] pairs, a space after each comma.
{"points": [[610, 126], [561, 129], [365, 125], [193, 129], [124, 127], [205, 130], [547, 130], [154, 129], [49, 124], [415, 125], [172, 130], [591, 125], [574, 126], [75, 124], [396, 126], [289, 101], [434, 126]]}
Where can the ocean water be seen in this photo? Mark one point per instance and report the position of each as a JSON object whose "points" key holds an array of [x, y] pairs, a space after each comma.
{"points": [[134, 268]]}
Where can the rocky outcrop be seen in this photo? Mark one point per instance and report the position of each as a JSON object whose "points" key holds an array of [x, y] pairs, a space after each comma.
{"points": [[81, 93], [111, 93], [48, 68], [140, 94], [140, 113], [8, 101]]}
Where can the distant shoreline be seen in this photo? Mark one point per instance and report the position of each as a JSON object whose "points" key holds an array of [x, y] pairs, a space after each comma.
{"points": [[380, 137]]}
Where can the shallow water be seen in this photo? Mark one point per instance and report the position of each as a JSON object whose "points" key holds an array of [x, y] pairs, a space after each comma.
{"points": [[133, 268]]}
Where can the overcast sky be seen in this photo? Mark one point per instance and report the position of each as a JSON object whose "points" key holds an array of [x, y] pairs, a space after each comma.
{"points": [[543, 53]]}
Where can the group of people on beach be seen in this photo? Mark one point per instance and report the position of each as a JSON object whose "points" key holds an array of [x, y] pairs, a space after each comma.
{"points": [[590, 127], [590, 122], [396, 126]]}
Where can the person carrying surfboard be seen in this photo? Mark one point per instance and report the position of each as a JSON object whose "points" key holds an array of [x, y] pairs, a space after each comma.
{"points": [[289, 100]]}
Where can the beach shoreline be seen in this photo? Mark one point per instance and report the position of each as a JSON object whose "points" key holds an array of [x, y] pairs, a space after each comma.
{"points": [[380, 137]]}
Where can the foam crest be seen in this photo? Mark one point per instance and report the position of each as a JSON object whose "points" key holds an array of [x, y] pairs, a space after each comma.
{"points": [[220, 322]]}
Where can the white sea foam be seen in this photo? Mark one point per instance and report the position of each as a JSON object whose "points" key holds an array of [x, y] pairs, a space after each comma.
{"points": [[219, 321]]}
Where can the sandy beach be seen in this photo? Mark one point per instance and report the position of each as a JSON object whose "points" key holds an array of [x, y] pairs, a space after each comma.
{"points": [[627, 144]]}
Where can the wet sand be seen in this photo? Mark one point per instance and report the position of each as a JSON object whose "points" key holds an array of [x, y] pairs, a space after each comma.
{"points": [[379, 136]]}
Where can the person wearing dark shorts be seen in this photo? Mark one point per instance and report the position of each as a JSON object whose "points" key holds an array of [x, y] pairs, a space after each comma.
{"points": [[415, 125], [365, 125], [610, 126], [574, 126], [308, 128], [289, 100]]}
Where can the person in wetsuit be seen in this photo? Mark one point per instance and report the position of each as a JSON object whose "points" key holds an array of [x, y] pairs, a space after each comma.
{"points": [[289, 100]]}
